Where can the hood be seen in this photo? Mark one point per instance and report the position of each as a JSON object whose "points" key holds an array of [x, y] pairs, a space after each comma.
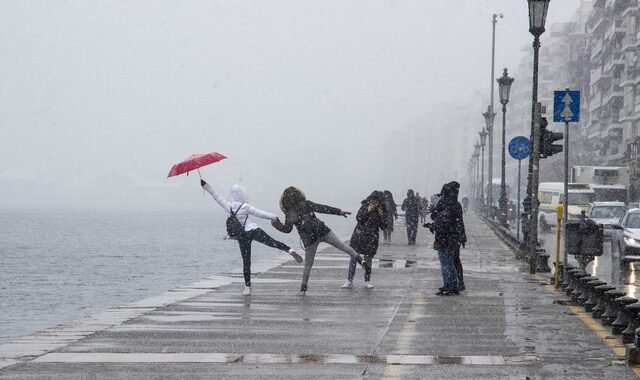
{"points": [[374, 196], [291, 197], [450, 190], [605, 220], [238, 194]]}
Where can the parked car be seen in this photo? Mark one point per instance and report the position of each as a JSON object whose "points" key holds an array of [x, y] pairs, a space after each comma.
{"points": [[606, 214], [626, 239]]}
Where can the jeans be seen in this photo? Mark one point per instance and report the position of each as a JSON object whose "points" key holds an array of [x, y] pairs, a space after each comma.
{"points": [[352, 268], [245, 241], [449, 275], [387, 234], [458, 266], [412, 229], [310, 254]]}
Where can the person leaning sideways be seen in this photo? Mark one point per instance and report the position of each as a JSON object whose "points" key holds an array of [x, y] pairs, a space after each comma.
{"points": [[241, 210], [448, 227], [372, 217], [300, 212]]}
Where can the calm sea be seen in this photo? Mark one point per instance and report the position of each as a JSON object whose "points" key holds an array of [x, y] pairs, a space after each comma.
{"points": [[62, 265]]}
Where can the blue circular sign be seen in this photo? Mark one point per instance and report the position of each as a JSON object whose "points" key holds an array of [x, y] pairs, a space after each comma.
{"points": [[519, 147]]}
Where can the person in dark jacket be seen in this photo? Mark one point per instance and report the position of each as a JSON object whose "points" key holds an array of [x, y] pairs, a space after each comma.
{"points": [[411, 208], [391, 215], [300, 212], [448, 227], [372, 217]]}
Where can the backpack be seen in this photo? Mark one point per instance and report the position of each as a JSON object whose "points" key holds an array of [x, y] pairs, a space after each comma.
{"points": [[234, 227]]}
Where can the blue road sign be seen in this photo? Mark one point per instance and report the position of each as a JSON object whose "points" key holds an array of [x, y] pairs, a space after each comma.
{"points": [[519, 147], [566, 106]]}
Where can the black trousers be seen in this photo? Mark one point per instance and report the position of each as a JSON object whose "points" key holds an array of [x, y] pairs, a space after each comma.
{"points": [[412, 228], [245, 249], [458, 265]]}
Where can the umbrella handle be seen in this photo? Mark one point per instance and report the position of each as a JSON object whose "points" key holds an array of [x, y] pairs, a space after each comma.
{"points": [[199, 173]]}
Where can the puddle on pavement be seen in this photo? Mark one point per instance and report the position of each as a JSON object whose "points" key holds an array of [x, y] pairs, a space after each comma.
{"points": [[389, 263]]}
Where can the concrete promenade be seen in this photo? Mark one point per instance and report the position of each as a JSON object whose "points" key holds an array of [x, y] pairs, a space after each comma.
{"points": [[505, 325]]}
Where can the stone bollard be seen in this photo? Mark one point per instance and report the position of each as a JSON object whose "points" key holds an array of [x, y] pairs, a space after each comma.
{"points": [[601, 306], [621, 322], [610, 313], [542, 266], [580, 286], [588, 290], [572, 280], [632, 313], [593, 300], [566, 279]]}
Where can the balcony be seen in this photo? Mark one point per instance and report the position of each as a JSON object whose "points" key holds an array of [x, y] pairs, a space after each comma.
{"points": [[613, 96], [629, 43], [615, 30], [615, 63], [596, 49], [598, 75], [630, 11], [595, 102]]}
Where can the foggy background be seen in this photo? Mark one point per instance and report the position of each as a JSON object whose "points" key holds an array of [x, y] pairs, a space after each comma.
{"points": [[99, 98]]}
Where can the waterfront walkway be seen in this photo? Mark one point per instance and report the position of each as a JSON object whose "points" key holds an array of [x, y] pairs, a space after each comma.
{"points": [[505, 325]]}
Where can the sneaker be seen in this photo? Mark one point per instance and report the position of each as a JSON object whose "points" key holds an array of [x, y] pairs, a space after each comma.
{"points": [[295, 255], [246, 291], [367, 285], [347, 285]]}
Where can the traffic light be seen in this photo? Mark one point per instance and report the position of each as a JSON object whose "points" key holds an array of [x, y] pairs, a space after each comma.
{"points": [[547, 139]]}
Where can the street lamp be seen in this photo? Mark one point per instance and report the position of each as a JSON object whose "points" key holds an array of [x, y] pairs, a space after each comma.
{"points": [[476, 155], [488, 122], [494, 21], [504, 87], [483, 139], [537, 18]]}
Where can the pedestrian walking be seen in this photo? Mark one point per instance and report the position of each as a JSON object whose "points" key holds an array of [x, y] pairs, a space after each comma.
{"points": [[300, 212], [240, 210], [465, 204], [424, 207], [392, 215], [448, 227], [411, 208], [372, 217]]}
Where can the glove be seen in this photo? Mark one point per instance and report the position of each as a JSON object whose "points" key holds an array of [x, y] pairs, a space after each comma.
{"points": [[202, 182], [345, 213], [431, 208]]}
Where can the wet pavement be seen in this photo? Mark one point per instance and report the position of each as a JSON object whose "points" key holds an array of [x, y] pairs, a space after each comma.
{"points": [[505, 325]]}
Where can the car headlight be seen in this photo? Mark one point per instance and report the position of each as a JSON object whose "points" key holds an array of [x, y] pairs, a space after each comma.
{"points": [[631, 241]]}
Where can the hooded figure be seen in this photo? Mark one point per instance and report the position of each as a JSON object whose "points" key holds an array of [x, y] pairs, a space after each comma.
{"points": [[448, 227], [242, 211], [411, 207], [392, 214], [372, 217], [300, 212]]}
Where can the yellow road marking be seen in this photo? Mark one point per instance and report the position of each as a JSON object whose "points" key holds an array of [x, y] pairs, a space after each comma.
{"points": [[595, 326], [394, 371]]}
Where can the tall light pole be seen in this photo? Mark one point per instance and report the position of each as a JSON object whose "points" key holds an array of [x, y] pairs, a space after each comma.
{"points": [[488, 123], [537, 17], [494, 21], [504, 86], [483, 138], [476, 155]]}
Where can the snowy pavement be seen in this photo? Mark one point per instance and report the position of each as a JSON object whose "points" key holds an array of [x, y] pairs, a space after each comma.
{"points": [[505, 325]]}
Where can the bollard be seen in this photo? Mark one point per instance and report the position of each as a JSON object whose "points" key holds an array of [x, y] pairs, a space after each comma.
{"points": [[633, 316], [610, 314], [572, 280], [566, 279], [588, 292], [631, 351], [581, 279], [542, 266], [600, 307], [621, 322]]}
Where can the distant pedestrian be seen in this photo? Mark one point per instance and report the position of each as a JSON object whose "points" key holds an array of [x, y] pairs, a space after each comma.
{"points": [[392, 215], [424, 206], [465, 204], [411, 208], [372, 217], [448, 226], [300, 212], [241, 210]]}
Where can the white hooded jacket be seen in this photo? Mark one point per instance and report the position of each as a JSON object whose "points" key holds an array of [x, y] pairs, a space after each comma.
{"points": [[238, 200]]}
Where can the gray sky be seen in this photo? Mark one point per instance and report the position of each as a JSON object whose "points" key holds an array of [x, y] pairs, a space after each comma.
{"points": [[100, 98]]}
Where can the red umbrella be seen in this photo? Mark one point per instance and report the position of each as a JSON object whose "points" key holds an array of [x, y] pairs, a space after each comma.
{"points": [[195, 161]]}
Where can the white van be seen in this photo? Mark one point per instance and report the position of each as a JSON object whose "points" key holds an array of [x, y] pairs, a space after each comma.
{"points": [[551, 194]]}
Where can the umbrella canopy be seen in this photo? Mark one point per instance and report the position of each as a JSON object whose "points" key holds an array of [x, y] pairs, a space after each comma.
{"points": [[194, 162]]}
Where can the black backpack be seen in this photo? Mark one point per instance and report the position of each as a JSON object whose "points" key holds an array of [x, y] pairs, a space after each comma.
{"points": [[234, 227]]}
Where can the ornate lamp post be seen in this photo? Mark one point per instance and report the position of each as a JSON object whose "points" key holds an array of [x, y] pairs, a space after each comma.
{"points": [[483, 140], [504, 87], [494, 21], [476, 155], [488, 123], [537, 18]]}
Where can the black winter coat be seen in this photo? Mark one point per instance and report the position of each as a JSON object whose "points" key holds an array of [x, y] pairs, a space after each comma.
{"points": [[411, 206], [448, 224], [367, 232]]}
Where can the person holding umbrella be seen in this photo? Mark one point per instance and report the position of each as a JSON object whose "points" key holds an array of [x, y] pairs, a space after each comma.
{"points": [[241, 210], [300, 212]]}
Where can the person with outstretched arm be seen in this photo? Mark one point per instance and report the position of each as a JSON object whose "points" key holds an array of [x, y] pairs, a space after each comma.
{"points": [[242, 210], [300, 212]]}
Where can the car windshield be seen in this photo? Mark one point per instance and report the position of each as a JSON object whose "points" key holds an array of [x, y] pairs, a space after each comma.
{"points": [[607, 212], [633, 220], [581, 199]]}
